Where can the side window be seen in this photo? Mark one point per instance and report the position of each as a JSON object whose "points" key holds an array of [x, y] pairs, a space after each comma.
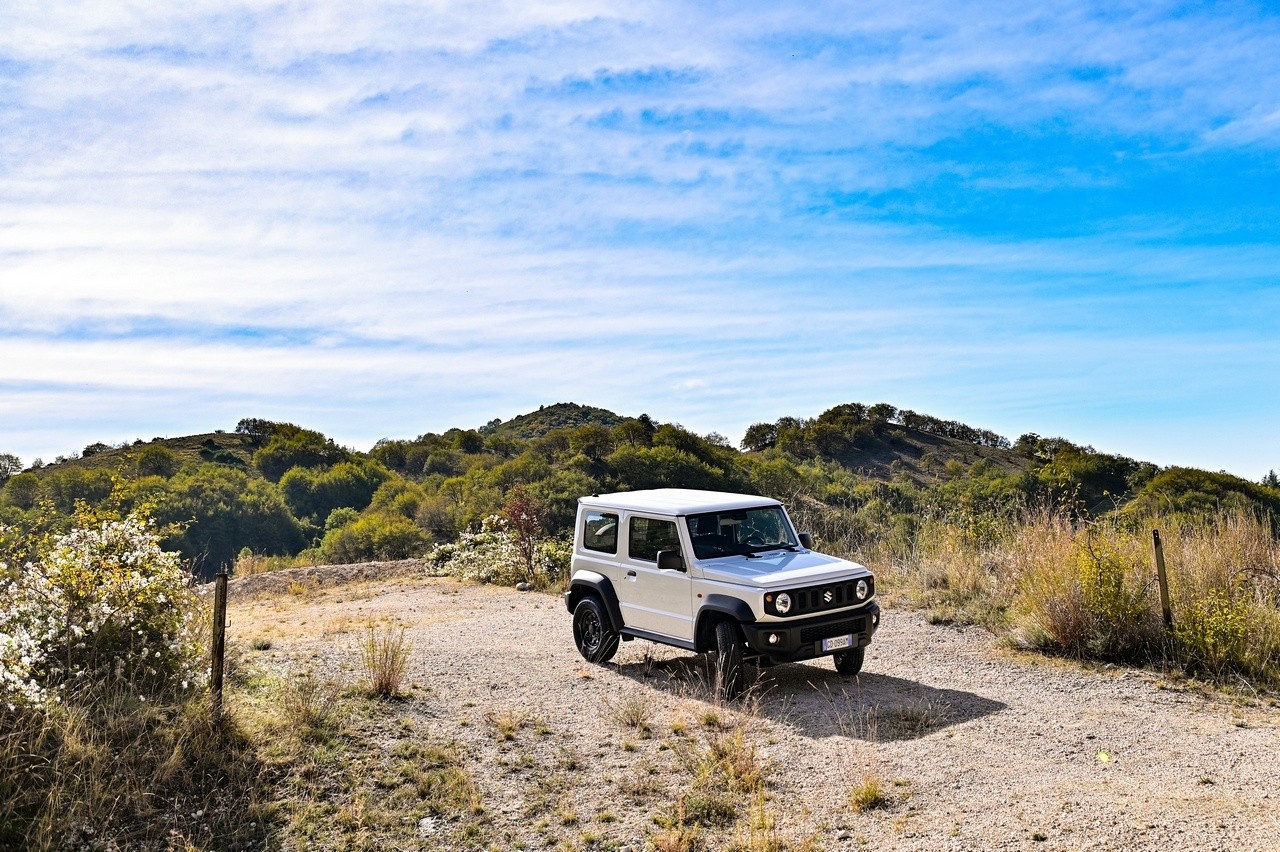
{"points": [[646, 536], [600, 532]]}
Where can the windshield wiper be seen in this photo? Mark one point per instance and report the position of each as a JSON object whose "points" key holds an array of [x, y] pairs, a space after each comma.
{"points": [[776, 546]]}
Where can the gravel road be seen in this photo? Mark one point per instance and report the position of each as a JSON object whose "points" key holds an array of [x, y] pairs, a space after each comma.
{"points": [[979, 747]]}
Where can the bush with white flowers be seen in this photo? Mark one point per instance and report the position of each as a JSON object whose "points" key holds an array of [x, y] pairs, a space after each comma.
{"points": [[100, 603], [491, 556]]}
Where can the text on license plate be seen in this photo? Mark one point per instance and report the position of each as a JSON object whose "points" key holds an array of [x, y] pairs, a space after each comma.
{"points": [[837, 642]]}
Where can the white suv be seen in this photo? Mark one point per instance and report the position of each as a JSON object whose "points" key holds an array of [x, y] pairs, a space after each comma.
{"points": [[724, 574]]}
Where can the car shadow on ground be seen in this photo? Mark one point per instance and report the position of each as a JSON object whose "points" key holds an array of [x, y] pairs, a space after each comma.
{"points": [[820, 702]]}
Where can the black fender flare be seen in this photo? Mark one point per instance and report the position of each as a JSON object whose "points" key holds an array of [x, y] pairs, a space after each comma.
{"points": [[591, 583], [713, 609]]}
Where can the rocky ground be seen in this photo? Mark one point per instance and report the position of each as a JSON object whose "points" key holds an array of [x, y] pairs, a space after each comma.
{"points": [[976, 747]]}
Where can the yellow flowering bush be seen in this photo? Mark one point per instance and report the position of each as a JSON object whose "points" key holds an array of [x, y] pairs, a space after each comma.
{"points": [[101, 602]]}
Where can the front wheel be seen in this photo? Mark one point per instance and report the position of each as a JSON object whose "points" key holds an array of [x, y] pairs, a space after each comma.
{"points": [[597, 641], [850, 662], [728, 673]]}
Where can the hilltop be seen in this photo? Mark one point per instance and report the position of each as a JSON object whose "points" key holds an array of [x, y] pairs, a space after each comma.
{"points": [[548, 418]]}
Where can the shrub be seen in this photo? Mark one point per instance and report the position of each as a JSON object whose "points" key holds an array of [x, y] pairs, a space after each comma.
{"points": [[102, 603], [375, 536], [491, 556], [1116, 585], [157, 460]]}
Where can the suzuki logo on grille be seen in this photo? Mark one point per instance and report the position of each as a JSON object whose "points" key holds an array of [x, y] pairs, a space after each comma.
{"points": [[827, 596]]}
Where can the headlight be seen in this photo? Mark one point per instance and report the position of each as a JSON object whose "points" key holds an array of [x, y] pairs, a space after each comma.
{"points": [[861, 589], [783, 603]]}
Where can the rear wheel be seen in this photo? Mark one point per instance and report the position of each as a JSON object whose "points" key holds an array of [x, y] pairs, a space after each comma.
{"points": [[727, 670], [597, 641], [850, 662]]}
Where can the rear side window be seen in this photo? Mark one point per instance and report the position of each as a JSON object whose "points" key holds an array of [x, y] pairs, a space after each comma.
{"points": [[649, 535], [600, 532]]}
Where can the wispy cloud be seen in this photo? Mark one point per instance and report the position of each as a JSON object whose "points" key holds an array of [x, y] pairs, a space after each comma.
{"points": [[380, 219]]}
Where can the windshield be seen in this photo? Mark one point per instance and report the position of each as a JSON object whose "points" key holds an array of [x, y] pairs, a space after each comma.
{"points": [[740, 531]]}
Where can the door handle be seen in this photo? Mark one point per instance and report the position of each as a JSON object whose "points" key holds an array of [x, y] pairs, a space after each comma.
{"points": [[631, 574]]}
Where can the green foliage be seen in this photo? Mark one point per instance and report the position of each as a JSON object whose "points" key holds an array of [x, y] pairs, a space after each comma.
{"points": [[219, 510], [1215, 633], [1116, 585], [63, 488], [1201, 494], [290, 447], [316, 493], [339, 518], [22, 490], [375, 536], [760, 437], [491, 555], [260, 430], [663, 467], [157, 460]]}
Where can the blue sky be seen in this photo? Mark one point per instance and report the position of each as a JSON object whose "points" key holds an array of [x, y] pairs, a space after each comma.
{"points": [[379, 220]]}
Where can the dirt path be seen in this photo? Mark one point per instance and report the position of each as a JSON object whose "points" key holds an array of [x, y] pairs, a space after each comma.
{"points": [[978, 748]]}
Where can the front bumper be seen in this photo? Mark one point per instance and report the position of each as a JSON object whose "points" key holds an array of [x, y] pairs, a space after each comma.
{"points": [[801, 639]]}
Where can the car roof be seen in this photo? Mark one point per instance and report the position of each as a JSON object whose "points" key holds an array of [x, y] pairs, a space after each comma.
{"points": [[676, 501]]}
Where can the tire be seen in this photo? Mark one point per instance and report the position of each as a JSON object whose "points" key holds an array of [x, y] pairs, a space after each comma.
{"points": [[597, 641], [727, 669], [850, 662]]}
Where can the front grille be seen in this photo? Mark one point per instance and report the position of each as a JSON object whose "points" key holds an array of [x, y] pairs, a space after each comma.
{"points": [[829, 596], [827, 631]]}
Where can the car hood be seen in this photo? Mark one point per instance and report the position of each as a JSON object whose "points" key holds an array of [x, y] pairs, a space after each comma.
{"points": [[780, 569]]}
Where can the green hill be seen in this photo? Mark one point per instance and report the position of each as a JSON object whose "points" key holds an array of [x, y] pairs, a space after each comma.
{"points": [[548, 418], [278, 489]]}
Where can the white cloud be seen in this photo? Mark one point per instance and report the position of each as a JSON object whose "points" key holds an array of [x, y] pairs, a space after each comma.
{"points": [[416, 216]]}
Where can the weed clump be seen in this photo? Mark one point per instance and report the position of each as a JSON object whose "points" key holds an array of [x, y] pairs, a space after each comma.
{"points": [[384, 657]]}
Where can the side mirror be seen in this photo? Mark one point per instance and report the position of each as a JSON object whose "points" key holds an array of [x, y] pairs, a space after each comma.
{"points": [[806, 541], [670, 560]]}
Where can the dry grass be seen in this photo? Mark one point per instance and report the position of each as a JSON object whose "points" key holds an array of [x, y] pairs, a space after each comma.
{"points": [[104, 770], [635, 714], [1048, 582], [507, 722], [313, 706], [869, 793], [384, 657]]}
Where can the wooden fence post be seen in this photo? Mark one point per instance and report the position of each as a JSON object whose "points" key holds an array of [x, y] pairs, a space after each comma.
{"points": [[219, 643], [1163, 577]]}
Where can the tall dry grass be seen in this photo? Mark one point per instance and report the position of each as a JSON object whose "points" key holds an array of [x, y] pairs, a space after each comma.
{"points": [[106, 770], [1048, 581], [384, 657]]}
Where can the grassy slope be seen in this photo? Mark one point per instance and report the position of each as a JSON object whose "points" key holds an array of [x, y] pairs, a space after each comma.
{"points": [[224, 447], [921, 456]]}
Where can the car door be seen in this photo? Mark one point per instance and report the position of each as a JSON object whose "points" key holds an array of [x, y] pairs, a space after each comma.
{"points": [[651, 599]]}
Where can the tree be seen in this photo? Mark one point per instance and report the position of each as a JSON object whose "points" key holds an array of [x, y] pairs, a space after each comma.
{"points": [[11, 464], [23, 490], [760, 436], [882, 411], [289, 448], [259, 430], [525, 514]]}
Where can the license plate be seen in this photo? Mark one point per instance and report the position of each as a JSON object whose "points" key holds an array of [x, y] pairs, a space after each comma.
{"points": [[837, 642]]}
